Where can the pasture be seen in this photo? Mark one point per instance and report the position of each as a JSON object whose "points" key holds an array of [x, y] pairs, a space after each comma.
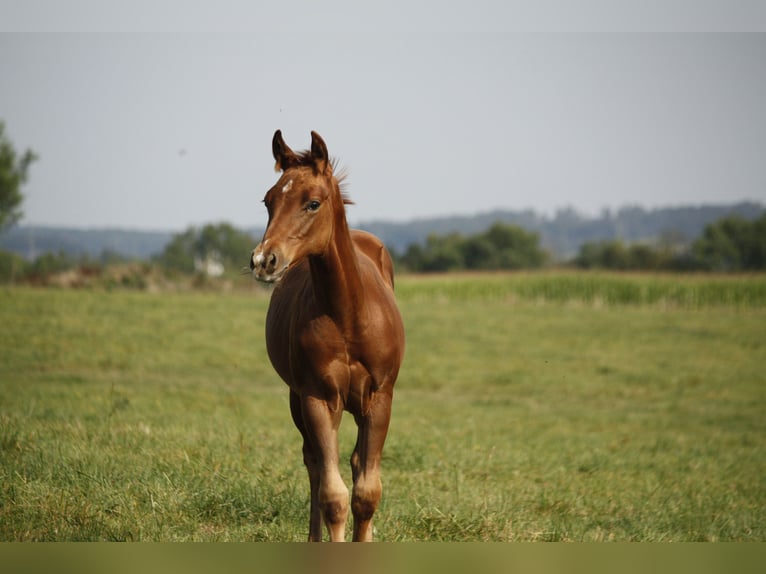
{"points": [[545, 406]]}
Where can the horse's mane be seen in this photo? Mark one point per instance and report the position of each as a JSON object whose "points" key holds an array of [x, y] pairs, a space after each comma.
{"points": [[341, 176]]}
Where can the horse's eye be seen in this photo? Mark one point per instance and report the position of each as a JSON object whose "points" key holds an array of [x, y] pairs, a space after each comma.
{"points": [[313, 205]]}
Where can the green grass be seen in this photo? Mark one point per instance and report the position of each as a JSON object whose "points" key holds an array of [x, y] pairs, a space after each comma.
{"points": [[686, 291], [530, 407]]}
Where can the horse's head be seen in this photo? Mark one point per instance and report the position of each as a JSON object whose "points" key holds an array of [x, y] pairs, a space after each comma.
{"points": [[302, 207]]}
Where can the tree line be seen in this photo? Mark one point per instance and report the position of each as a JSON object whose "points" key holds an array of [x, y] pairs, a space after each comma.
{"points": [[212, 250], [731, 244], [502, 246]]}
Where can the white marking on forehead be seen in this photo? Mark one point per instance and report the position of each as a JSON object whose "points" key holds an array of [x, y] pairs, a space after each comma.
{"points": [[287, 187]]}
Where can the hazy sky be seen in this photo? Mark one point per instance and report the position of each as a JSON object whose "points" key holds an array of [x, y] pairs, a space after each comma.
{"points": [[432, 116]]}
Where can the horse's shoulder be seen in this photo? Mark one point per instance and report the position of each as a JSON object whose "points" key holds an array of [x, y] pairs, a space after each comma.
{"points": [[376, 251]]}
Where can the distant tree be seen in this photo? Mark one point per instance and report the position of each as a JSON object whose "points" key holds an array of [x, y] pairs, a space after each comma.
{"points": [[588, 256], [220, 242], [226, 243], [515, 247], [756, 257], [12, 266], [642, 256], [440, 253], [13, 174], [479, 253], [412, 258], [443, 253], [614, 254], [732, 244], [502, 246], [49, 263]]}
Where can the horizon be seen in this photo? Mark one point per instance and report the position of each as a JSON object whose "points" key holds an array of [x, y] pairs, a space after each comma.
{"points": [[415, 221]]}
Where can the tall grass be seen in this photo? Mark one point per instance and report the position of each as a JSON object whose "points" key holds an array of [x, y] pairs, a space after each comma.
{"points": [[685, 291], [521, 413]]}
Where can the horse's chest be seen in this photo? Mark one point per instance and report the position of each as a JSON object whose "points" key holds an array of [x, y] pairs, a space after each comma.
{"points": [[314, 351], [317, 355], [299, 344]]}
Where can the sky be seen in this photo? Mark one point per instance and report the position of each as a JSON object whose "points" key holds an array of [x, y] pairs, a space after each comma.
{"points": [[158, 116]]}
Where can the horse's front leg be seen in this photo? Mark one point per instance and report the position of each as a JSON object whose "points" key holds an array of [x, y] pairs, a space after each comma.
{"points": [[365, 464], [321, 424], [312, 466]]}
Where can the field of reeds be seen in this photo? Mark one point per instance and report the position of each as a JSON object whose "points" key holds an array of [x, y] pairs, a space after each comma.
{"points": [[534, 406]]}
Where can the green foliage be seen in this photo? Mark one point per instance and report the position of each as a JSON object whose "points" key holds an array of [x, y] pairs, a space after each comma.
{"points": [[50, 263], [221, 243], [733, 244], [12, 267], [190, 259], [615, 255], [730, 244], [180, 252], [564, 232], [530, 407], [61, 269], [502, 246], [14, 171]]}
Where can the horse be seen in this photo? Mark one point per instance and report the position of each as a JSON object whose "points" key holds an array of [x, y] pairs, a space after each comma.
{"points": [[334, 333]]}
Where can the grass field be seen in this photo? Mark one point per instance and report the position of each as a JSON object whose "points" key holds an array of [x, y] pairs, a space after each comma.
{"points": [[547, 406]]}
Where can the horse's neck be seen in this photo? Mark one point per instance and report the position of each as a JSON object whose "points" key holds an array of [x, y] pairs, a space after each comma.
{"points": [[336, 278]]}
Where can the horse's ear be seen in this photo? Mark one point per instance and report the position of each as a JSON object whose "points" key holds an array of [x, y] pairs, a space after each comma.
{"points": [[319, 153], [284, 156]]}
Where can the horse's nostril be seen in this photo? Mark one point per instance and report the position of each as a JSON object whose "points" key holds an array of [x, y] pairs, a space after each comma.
{"points": [[256, 260], [272, 260]]}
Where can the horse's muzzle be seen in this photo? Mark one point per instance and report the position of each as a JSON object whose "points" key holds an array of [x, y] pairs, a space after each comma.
{"points": [[266, 266]]}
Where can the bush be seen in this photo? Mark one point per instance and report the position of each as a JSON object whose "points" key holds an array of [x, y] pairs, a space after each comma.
{"points": [[49, 263], [500, 247], [732, 244], [12, 267]]}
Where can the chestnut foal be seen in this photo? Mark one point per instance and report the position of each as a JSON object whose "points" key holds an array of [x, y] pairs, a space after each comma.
{"points": [[333, 331]]}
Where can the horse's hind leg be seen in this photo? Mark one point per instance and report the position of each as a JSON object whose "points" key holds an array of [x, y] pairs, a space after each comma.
{"points": [[365, 464]]}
